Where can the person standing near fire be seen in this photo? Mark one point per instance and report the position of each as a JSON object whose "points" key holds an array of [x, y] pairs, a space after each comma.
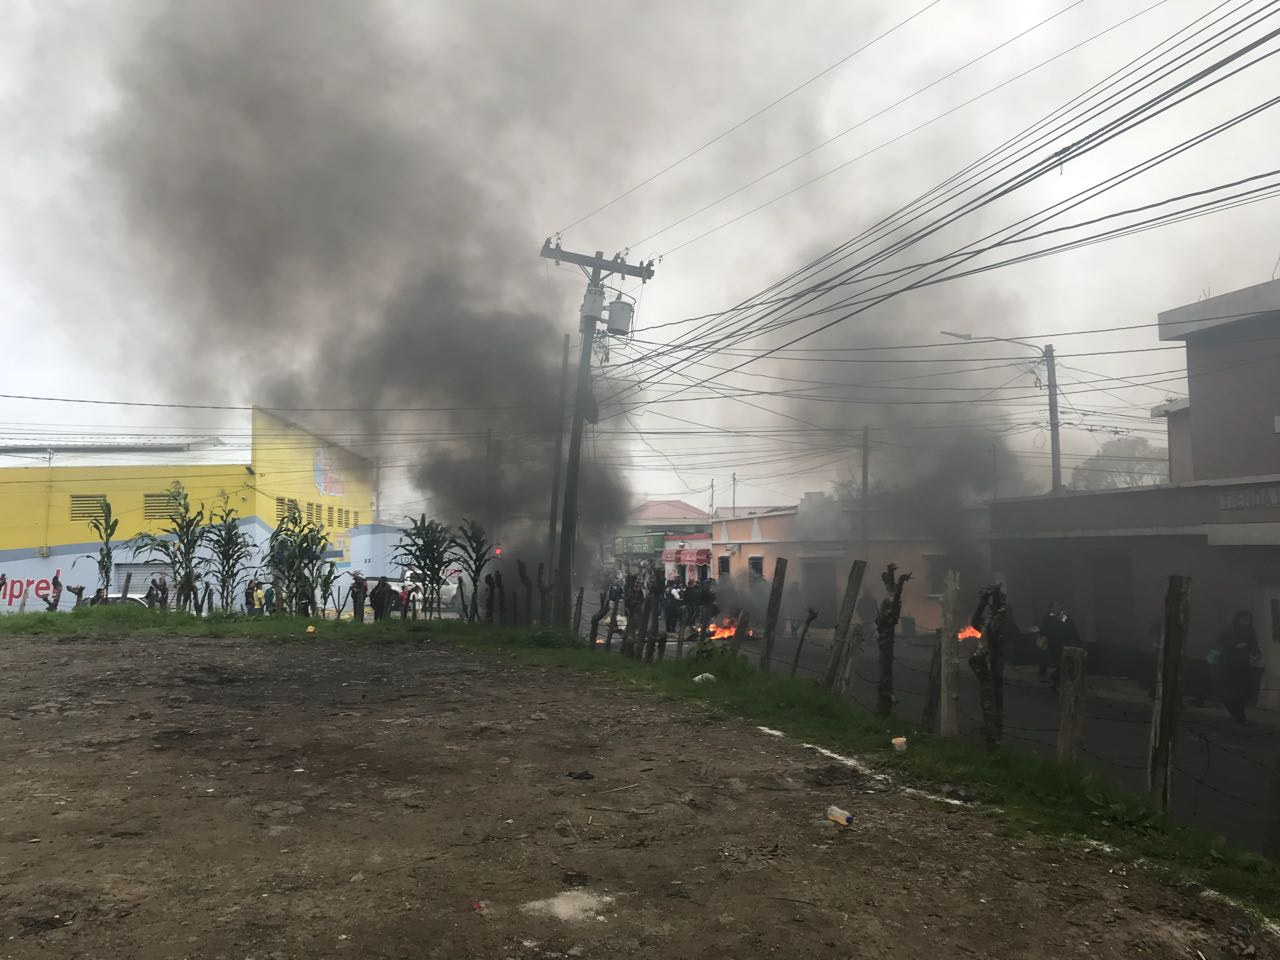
{"points": [[1057, 630], [359, 590], [1238, 656], [380, 597], [671, 605]]}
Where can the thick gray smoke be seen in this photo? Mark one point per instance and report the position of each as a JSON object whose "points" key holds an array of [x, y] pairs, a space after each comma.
{"points": [[328, 218], [938, 443]]}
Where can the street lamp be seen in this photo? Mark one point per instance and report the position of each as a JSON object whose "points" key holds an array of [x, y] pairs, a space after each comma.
{"points": [[1046, 354]]}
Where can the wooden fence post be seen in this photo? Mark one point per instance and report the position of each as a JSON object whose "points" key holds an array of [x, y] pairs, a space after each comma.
{"points": [[933, 691], [684, 625], [1164, 716], [595, 620], [852, 588], [613, 627], [577, 612], [1271, 840], [640, 636], [811, 616], [128, 579], [848, 660], [1070, 703], [652, 624], [947, 686], [771, 614], [741, 629]]}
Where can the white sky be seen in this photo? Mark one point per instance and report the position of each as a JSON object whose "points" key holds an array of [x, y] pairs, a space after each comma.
{"points": [[695, 75]]}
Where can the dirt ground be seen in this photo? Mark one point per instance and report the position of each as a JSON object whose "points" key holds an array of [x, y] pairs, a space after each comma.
{"points": [[239, 799]]}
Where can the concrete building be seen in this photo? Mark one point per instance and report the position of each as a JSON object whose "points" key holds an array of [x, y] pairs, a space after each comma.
{"points": [[1108, 554], [656, 527], [46, 503], [820, 537]]}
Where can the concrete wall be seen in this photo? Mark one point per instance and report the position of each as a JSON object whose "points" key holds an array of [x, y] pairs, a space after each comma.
{"points": [[1115, 590], [1234, 384], [820, 567], [1181, 461]]}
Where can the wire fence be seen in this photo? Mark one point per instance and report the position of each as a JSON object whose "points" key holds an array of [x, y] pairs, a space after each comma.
{"points": [[1224, 774]]}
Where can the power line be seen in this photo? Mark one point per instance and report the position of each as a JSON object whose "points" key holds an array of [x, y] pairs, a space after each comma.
{"points": [[957, 181], [746, 120], [879, 113]]}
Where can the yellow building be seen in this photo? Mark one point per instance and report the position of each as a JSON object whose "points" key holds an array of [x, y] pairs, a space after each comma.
{"points": [[45, 508]]}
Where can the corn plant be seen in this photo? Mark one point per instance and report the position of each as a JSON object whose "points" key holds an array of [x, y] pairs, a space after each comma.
{"points": [[296, 558], [424, 550], [105, 527], [474, 551], [180, 545], [230, 552], [328, 575]]}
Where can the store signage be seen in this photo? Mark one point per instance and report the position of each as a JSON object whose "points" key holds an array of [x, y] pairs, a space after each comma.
{"points": [[1250, 498], [328, 475]]}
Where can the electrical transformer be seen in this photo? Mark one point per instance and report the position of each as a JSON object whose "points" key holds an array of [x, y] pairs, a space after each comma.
{"points": [[593, 303], [621, 313]]}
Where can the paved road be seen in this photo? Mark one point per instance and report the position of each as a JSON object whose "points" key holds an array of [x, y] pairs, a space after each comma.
{"points": [[1223, 772]]}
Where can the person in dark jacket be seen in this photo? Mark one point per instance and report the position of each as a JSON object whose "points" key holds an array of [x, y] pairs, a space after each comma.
{"points": [[380, 597], [1057, 630], [359, 590], [1238, 654], [671, 605]]}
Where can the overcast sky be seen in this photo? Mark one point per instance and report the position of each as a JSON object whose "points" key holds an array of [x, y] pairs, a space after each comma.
{"points": [[548, 111]]}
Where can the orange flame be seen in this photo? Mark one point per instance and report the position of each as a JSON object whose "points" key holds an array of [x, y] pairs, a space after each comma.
{"points": [[723, 629], [969, 633]]}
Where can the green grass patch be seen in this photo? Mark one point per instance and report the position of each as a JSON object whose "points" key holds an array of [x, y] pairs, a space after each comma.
{"points": [[1021, 791]]}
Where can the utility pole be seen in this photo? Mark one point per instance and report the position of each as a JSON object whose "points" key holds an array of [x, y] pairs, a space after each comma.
{"points": [[1055, 441], [592, 308], [734, 500], [712, 508], [866, 503], [555, 466]]}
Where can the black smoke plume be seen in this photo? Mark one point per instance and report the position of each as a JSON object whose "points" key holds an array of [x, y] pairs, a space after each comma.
{"points": [[328, 217]]}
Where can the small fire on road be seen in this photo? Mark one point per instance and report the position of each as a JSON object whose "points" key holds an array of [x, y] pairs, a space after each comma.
{"points": [[969, 633], [723, 628]]}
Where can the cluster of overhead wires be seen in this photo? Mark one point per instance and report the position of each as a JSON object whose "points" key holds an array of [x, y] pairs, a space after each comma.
{"points": [[759, 349], [779, 385]]}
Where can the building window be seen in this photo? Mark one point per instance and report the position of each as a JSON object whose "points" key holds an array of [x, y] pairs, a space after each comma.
{"points": [[722, 566], [329, 517], [355, 519], [280, 510], [935, 574], [87, 506], [755, 565], [157, 506]]}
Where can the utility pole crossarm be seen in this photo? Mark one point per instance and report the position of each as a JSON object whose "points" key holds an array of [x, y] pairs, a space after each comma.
{"points": [[643, 271]]}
